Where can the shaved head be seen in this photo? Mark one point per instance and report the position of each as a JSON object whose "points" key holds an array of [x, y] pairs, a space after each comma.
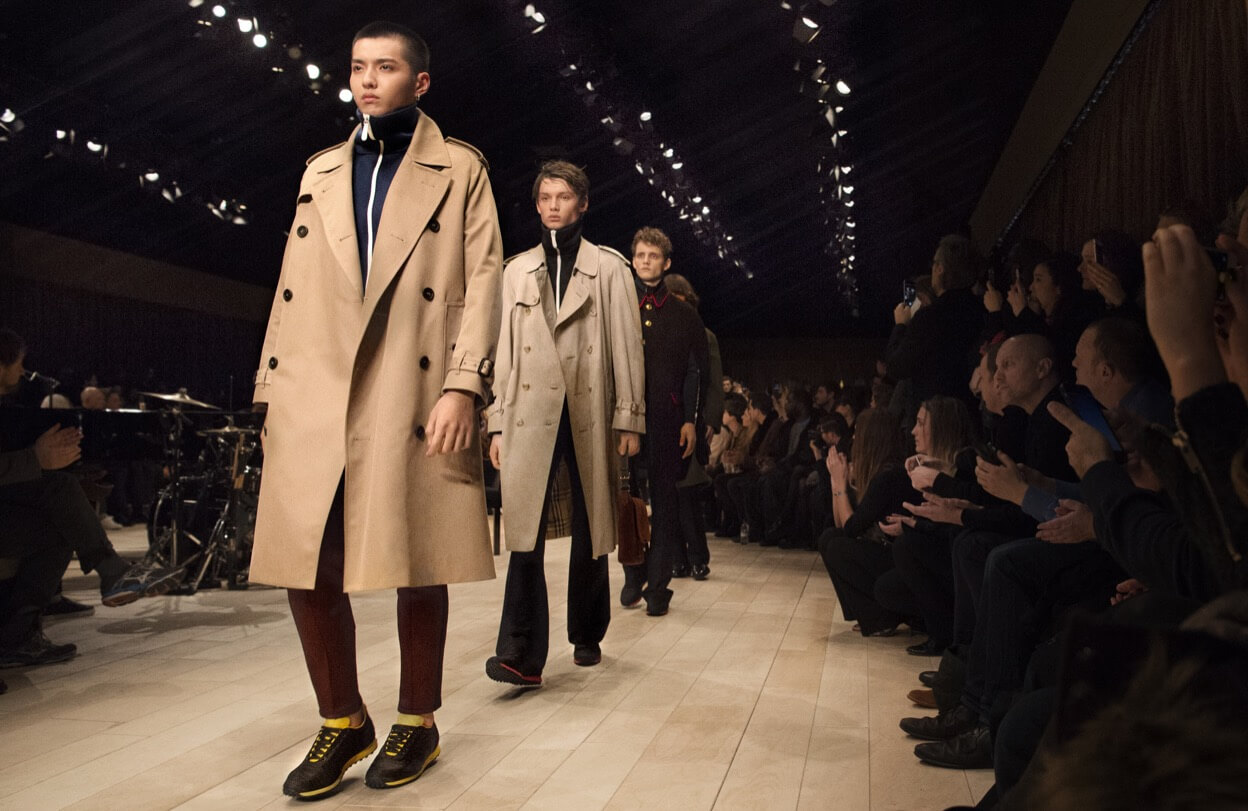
{"points": [[1034, 348]]}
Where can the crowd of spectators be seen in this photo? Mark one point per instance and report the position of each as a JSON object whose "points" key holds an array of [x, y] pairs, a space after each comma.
{"points": [[1048, 478]]}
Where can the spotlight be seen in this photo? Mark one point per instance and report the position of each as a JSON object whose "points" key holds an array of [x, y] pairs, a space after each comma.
{"points": [[218, 11], [61, 135], [152, 176], [669, 152], [8, 116], [195, 3], [622, 145], [678, 165], [697, 199], [645, 116], [706, 209], [567, 71], [849, 189], [314, 72], [260, 40], [805, 30], [641, 170], [244, 25], [846, 169], [95, 147], [841, 87], [829, 115], [850, 224], [344, 95], [749, 274], [849, 203]]}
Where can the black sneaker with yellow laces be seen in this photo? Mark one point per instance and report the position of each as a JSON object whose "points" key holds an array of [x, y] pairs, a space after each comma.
{"points": [[407, 753], [336, 749]]}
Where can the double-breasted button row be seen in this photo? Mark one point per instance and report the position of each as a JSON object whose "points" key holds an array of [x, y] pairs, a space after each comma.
{"points": [[420, 432], [428, 294], [424, 362], [434, 227], [649, 323], [301, 231], [272, 363], [287, 295]]}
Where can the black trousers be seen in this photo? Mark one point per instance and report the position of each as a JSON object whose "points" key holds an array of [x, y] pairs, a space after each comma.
{"points": [[43, 523], [925, 562], [692, 549], [664, 470], [854, 564], [524, 631]]}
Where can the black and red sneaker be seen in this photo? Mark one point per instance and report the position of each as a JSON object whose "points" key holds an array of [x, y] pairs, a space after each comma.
{"points": [[509, 673]]}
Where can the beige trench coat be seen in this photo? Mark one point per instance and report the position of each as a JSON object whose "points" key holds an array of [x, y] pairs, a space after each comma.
{"points": [[350, 374], [589, 352]]}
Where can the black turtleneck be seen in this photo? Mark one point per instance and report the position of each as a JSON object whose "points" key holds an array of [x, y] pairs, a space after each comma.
{"points": [[378, 149], [560, 248]]}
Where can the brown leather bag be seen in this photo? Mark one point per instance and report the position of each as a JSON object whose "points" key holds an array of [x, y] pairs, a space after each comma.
{"points": [[634, 528]]}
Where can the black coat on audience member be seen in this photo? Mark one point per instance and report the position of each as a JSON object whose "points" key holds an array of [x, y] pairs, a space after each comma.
{"points": [[936, 349]]}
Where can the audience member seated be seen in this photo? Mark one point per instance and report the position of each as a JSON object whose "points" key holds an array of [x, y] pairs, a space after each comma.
{"points": [[1117, 276], [1067, 308], [768, 434], [1115, 360], [855, 550]]}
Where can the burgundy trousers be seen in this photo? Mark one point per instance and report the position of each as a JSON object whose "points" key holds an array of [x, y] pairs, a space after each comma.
{"points": [[327, 630]]}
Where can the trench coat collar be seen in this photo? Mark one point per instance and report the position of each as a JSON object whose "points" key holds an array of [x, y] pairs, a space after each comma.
{"points": [[418, 188], [579, 290], [415, 193]]}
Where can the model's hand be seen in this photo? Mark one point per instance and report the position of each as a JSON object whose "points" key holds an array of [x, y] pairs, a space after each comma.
{"points": [[1004, 481], [496, 451], [58, 447], [688, 438], [1073, 524], [630, 443], [1086, 445], [450, 423]]}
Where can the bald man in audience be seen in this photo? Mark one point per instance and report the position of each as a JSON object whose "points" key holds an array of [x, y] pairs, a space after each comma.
{"points": [[93, 398]]}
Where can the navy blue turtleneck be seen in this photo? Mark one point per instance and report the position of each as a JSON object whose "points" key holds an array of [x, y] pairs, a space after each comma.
{"points": [[379, 148]]}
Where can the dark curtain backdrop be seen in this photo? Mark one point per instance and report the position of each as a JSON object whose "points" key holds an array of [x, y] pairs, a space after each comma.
{"points": [[1172, 126], [131, 343]]}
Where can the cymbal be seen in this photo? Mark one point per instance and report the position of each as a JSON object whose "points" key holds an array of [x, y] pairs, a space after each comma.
{"points": [[230, 429], [180, 397]]}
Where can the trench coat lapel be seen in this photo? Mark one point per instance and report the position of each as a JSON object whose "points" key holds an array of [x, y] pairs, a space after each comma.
{"points": [[332, 195], [418, 188], [581, 285]]}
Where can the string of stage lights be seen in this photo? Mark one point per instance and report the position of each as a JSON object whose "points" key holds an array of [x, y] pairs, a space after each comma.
{"points": [[821, 65], [631, 126]]}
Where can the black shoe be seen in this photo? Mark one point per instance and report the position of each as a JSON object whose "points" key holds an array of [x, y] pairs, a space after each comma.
{"points": [[407, 753], [928, 678], [146, 578], [36, 649], [928, 647], [970, 750], [587, 654], [701, 572], [65, 607], [680, 571], [882, 632], [943, 727], [333, 752], [508, 672], [656, 606], [630, 595]]}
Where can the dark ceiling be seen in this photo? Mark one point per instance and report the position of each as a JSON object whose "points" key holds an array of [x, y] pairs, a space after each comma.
{"points": [[936, 88]]}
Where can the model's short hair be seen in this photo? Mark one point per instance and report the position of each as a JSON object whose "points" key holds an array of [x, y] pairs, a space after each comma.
{"points": [[655, 237], [1125, 345], [415, 51], [11, 347], [680, 287], [569, 173], [960, 260]]}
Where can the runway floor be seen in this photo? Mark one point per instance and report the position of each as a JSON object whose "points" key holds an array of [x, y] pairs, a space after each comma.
{"points": [[752, 693]]}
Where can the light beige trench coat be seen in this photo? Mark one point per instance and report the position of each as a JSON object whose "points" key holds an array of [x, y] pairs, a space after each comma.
{"points": [[589, 352], [350, 374]]}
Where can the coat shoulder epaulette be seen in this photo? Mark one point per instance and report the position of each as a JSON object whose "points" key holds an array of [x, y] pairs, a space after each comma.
{"points": [[324, 151], [615, 253], [471, 149]]}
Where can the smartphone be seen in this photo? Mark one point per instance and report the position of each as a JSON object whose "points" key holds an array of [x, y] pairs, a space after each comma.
{"points": [[1088, 409], [988, 452], [908, 292]]}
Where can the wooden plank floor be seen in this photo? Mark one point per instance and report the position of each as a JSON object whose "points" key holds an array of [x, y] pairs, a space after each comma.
{"points": [[752, 693]]}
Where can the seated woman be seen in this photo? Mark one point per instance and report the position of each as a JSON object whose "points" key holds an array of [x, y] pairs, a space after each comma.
{"points": [[854, 550], [943, 433], [1057, 287]]}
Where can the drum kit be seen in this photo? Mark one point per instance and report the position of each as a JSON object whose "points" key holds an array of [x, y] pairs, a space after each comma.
{"points": [[203, 520]]}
